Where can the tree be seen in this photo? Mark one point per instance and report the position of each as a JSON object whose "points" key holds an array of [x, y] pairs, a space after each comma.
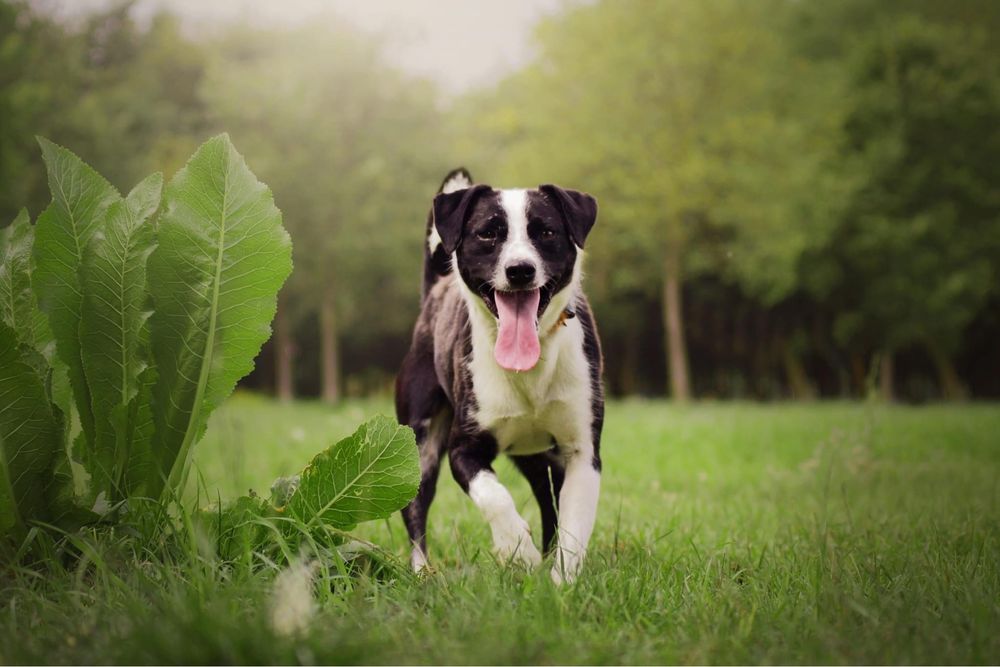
{"points": [[677, 115], [919, 244], [346, 143], [37, 70]]}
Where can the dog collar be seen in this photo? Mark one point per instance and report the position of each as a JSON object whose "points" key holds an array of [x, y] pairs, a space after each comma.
{"points": [[565, 315]]}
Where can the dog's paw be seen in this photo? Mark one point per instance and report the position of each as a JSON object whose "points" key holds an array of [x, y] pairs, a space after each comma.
{"points": [[525, 554], [512, 544], [566, 568], [418, 561]]}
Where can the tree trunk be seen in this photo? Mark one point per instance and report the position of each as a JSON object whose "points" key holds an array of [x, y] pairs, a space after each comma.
{"points": [[859, 383], [885, 380], [673, 324], [330, 357], [952, 387], [284, 353], [795, 374], [628, 377]]}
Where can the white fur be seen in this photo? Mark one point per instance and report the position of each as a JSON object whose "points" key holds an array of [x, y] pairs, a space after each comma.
{"points": [[456, 183], [433, 239], [517, 248], [578, 508], [418, 559], [453, 184], [524, 411], [511, 535]]}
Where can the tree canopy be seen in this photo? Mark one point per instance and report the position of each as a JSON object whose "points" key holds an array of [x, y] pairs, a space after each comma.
{"points": [[793, 195]]}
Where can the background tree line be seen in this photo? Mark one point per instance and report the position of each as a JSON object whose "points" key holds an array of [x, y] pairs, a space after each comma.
{"points": [[798, 199]]}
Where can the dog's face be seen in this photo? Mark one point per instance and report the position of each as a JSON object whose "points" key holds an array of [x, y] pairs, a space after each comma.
{"points": [[515, 249]]}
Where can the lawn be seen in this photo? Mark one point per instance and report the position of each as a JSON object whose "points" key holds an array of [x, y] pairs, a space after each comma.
{"points": [[727, 533]]}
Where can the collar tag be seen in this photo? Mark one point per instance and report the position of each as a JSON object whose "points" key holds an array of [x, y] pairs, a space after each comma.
{"points": [[567, 314]]}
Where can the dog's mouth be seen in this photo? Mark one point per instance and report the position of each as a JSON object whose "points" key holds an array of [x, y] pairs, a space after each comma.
{"points": [[489, 297], [518, 313]]}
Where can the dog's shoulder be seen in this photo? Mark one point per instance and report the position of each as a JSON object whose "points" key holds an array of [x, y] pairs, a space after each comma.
{"points": [[443, 327]]}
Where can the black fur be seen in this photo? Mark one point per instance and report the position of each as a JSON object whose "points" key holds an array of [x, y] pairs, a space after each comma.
{"points": [[545, 474], [438, 263], [434, 389], [578, 208], [451, 210]]}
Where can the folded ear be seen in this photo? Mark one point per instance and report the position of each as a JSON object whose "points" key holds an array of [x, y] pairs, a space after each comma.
{"points": [[578, 208], [451, 210]]}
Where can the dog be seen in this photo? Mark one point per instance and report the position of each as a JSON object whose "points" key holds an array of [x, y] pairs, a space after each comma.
{"points": [[505, 358]]}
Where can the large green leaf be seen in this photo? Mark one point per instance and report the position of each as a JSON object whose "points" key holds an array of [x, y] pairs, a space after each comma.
{"points": [[18, 307], [137, 461], [80, 198], [113, 334], [366, 476], [8, 507], [214, 277], [30, 435]]}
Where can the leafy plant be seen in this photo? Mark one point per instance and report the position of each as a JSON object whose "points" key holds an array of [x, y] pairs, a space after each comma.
{"points": [[366, 476], [123, 328], [124, 322]]}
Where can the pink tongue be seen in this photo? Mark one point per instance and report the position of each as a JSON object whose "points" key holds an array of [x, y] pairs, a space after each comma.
{"points": [[517, 346]]}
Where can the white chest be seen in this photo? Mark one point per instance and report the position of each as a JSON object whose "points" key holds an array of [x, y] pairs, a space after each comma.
{"points": [[526, 411]]}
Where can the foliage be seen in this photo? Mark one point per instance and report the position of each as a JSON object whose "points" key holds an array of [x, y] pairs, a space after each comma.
{"points": [[214, 277], [921, 128], [157, 311], [814, 175], [814, 178], [366, 476], [355, 171], [142, 387], [735, 533], [30, 434]]}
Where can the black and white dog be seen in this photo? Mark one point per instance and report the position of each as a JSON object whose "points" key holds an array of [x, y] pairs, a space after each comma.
{"points": [[505, 358]]}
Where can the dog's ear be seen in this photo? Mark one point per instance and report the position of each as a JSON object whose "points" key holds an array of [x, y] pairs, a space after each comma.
{"points": [[578, 208], [451, 209], [457, 179]]}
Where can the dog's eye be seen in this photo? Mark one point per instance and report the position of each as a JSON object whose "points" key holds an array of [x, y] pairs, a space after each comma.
{"points": [[543, 233], [537, 229], [488, 235]]}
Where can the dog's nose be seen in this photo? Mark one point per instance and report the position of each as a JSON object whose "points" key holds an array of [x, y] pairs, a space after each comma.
{"points": [[520, 275]]}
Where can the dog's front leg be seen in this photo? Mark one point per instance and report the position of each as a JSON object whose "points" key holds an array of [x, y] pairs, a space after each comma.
{"points": [[577, 511], [471, 457]]}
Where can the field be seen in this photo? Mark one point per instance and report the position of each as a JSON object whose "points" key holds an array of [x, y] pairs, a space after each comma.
{"points": [[727, 533]]}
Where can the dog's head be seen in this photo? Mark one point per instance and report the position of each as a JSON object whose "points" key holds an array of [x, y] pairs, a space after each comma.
{"points": [[516, 249]]}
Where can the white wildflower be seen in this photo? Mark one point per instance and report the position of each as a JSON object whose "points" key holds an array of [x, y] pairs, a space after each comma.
{"points": [[101, 505], [292, 602]]}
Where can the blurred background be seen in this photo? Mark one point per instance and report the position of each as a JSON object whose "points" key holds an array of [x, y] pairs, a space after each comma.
{"points": [[799, 198]]}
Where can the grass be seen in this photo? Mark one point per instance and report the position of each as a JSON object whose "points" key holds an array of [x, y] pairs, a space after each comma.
{"points": [[727, 533]]}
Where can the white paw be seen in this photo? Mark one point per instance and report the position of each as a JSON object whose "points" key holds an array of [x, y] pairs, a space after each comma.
{"points": [[566, 569], [512, 543], [418, 561], [511, 536]]}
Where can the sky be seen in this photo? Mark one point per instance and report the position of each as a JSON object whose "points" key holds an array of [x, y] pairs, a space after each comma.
{"points": [[460, 44]]}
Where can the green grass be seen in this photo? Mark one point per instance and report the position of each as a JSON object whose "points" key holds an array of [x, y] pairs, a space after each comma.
{"points": [[727, 533]]}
